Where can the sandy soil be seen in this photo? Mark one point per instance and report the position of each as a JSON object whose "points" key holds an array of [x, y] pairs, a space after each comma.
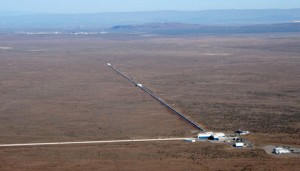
{"points": [[66, 93]]}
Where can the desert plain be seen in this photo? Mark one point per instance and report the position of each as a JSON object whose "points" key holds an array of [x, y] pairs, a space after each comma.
{"points": [[58, 88]]}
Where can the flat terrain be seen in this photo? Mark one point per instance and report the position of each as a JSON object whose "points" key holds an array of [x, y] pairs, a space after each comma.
{"points": [[57, 88]]}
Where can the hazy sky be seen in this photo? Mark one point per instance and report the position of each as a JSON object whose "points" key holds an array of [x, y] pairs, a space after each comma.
{"points": [[90, 6]]}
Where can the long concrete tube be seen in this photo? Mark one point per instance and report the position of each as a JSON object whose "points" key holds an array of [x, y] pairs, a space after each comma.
{"points": [[190, 121], [92, 142]]}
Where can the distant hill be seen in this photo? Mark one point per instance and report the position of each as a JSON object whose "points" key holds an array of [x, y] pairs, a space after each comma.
{"points": [[107, 20], [185, 29]]}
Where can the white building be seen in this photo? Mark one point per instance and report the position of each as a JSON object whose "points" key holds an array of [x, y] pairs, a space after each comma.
{"points": [[216, 136], [190, 140], [239, 144], [204, 136], [241, 132], [210, 135], [280, 150]]}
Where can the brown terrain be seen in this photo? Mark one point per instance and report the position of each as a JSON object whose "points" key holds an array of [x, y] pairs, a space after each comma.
{"points": [[58, 88]]}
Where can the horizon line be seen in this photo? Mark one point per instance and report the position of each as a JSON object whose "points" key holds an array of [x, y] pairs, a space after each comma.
{"points": [[167, 10]]}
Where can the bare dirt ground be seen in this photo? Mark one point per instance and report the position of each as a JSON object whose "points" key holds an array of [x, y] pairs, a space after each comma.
{"points": [[57, 88]]}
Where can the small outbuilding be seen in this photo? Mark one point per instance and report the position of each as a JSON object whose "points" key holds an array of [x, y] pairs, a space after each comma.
{"points": [[190, 140], [241, 132], [239, 144]]}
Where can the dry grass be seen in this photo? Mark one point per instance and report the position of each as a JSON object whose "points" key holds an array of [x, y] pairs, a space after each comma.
{"points": [[144, 156], [55, 88]]}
